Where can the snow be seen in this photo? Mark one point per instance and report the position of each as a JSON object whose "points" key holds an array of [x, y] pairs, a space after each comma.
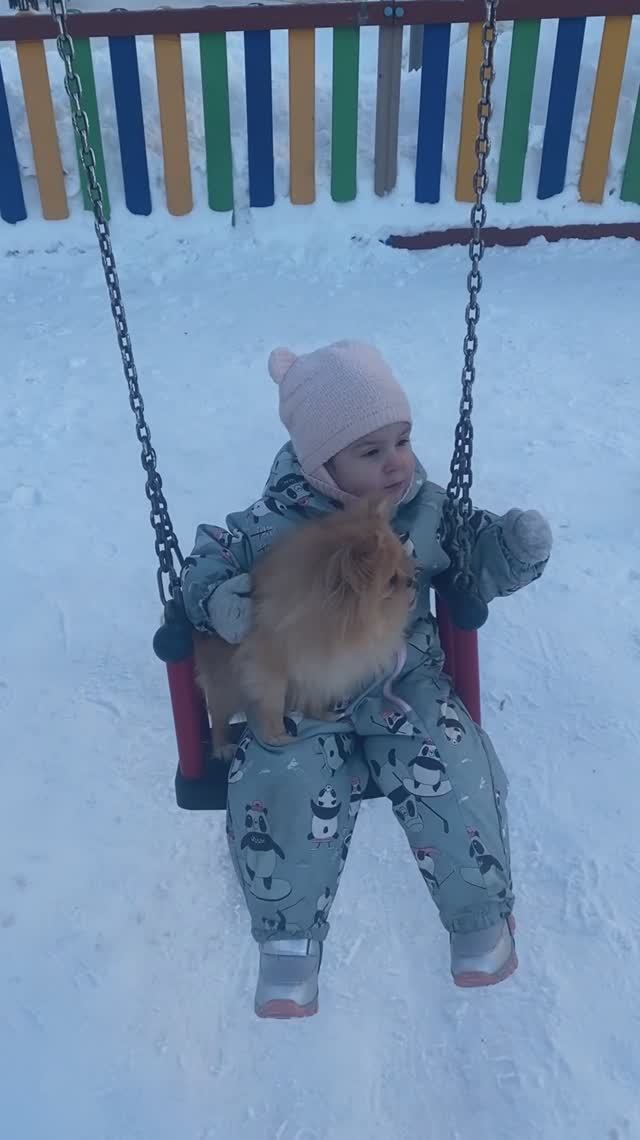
{"points": [[127, 967], [395, 213]]}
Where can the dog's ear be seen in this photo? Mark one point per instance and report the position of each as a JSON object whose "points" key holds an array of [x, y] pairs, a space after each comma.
{"points": [[380, 507], [351, 569], [376, 507], [335, 574]]}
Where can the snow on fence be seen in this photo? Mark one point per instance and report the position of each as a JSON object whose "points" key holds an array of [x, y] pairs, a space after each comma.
{"points": [[431, 22]]}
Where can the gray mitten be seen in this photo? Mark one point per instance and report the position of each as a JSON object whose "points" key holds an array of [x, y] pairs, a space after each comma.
{"points": [[229, 608], [527, 535]]}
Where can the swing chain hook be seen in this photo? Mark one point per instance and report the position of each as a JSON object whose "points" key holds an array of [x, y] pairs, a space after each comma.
{"points": [[166, 542], [458, 504]]}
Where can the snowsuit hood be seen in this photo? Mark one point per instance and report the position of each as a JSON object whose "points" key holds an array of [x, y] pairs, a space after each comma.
{"points": [[290, 488]]}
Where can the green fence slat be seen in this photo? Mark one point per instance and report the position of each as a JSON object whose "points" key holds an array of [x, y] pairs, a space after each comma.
{"points": [[631, 181], [517, 113], [344, 120], [84, 67], [217, 124]]}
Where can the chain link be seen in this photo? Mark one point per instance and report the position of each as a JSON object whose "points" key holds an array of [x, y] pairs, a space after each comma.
{"points": [[458, 504], [166, 543]]}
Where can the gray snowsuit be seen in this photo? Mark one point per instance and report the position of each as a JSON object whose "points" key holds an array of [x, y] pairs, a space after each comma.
{"points": [[292, 810]]}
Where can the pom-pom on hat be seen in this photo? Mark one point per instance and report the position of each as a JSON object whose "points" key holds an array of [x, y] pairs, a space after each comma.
{"points": [[333, 396]]}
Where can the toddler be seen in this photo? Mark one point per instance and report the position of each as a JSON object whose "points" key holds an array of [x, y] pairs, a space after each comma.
{"points": [[292, 810]]}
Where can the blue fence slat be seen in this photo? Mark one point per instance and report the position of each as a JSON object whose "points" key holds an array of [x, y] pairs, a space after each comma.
{"points": [[133, 151], [12, 207], [257, 68], [433, 100], [562, 98]]}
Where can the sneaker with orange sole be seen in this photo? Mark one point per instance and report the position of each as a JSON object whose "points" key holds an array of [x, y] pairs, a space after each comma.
{"points": [[484, 957], [288, 978]]}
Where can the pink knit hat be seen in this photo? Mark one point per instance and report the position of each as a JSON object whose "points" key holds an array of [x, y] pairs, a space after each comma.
{"points": [[334, 396]]}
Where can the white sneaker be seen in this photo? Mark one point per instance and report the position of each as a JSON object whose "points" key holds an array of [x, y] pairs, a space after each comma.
{"points": [[288, 978], [484, 957]]}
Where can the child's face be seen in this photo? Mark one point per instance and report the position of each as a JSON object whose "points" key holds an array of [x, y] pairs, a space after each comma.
{"points": [[382, 461]]}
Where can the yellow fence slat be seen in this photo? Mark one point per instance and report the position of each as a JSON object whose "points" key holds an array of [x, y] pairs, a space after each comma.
{"points": [[469, 124], [173, 123], [42, 128], [604, 108], [302, 116]]}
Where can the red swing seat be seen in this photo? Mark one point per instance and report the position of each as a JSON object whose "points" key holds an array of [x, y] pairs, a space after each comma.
{"points": [[201, 780]]}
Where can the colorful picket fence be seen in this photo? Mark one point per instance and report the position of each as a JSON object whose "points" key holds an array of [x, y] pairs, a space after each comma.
{"points": [[434, 18]]}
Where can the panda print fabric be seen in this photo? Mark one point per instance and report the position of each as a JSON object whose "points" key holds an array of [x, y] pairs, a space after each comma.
{"points": [[300, 805]]}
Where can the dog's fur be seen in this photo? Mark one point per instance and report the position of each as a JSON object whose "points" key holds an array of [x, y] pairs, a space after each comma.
{"points": [[331, 601]]}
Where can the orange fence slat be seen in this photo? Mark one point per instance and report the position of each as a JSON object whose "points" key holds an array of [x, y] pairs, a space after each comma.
{"points": [[173, 123], [469, 124], [604, 108], [42, 128], [302, 115]]}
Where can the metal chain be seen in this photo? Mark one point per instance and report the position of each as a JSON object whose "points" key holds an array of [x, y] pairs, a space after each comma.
{"points": [[458, 505], [166, 543]]}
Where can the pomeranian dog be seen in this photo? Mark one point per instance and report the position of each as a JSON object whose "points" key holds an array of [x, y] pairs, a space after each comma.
{"points": [[330, 604]]}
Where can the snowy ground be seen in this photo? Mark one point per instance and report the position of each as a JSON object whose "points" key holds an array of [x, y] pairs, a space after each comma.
{"points": [[127, 969]]}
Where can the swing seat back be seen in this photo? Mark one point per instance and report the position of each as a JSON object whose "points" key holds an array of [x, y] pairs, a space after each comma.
{"points": [[201, 779]]}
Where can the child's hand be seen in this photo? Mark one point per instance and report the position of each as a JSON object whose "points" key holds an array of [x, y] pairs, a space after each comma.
{"points": [[528, 535], [229, 608]]}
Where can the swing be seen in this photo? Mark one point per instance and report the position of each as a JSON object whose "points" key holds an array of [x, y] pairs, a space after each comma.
{"points": [[201, 780]]}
